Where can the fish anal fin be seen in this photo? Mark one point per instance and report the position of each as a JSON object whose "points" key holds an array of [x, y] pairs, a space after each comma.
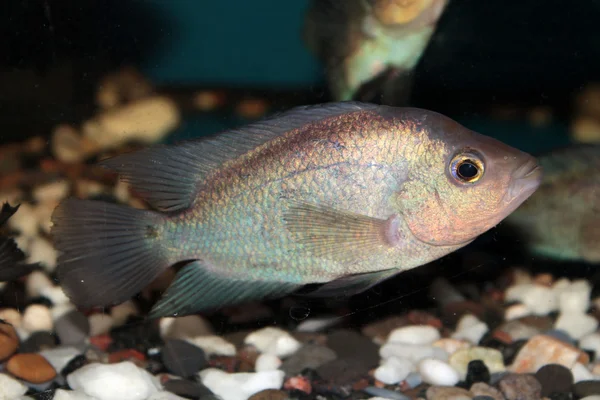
{"points": [[343, 236], [197, 288], [352, 284]]}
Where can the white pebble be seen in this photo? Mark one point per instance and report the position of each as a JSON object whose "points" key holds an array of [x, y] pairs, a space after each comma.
{"points": [[121, 312], [213, 344], [581, 373], [541, 300], [43, 214], [393, 370], [188, 326], [591, 342], [37, 317], [592, 397], [165, 396], [24, 221], [412, 352], [577, 325], [42, 252], [11, 388], [36, 282], [122, 380], [317, 324], [436, 372], [56, 294], [267, 362], [273, 341], [62, 394], [470, 328], [516, 311], [575, 298], [414, 334], [54, 191], [100, 323], [59, 357], [61, 309], [241, 385]]}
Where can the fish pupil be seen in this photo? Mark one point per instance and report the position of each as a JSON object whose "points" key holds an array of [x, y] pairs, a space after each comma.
{"points": [[468, 170]]}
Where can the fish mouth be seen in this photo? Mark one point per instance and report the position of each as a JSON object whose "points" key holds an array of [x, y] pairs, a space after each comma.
{"points": [[526, 179]]}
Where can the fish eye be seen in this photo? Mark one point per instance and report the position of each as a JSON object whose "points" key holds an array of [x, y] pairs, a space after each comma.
{"points": [[467, 167]]}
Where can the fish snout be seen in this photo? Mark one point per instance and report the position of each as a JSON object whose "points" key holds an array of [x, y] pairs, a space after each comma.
{"points": [[526, 179]]}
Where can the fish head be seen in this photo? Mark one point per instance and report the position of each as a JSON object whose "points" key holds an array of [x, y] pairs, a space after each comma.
{"points": [[462, 183]]}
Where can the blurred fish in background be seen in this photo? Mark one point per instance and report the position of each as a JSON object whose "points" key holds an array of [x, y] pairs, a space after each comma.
{"points": [[562, 219], [370, 47]]}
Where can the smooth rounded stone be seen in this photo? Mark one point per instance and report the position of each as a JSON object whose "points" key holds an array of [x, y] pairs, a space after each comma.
{"points": [[517, 330], [541, 300], [55, 294], [384, 393], [450, 345], [492, 359], [576, 325], [188, 326], [591, 342], [393, 370], [470, 328], [31, 368], [182, 358], [343, 371], [214, 345], [41, 251], [241, 385], [37, 318], [576, 298], [586, 388], [319, 324], [446, 393], [36, 282], [186, 388], [270, 394], [436, 372], [165, 396], [415, 334], [59, 357], [520, 387], [9, 340], [61, 309], [413, 380], [273, 341], [379, 330], [72, 328], [122, 380], [121, 312], [581, 373], [483, 390], [477, 372], [560, 335], [11, 316], [414, 353], [38, 341], [554, 378], [308, 356], [267, 362], [541, 350], [516, 311], [11, 388], [62, 394], [100, 324]]}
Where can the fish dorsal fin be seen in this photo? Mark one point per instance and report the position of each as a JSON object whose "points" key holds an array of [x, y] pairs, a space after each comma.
{"points": [[168, 177]]}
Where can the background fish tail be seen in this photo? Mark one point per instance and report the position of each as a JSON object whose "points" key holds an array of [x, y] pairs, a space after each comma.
{"points": [[108, 252]]}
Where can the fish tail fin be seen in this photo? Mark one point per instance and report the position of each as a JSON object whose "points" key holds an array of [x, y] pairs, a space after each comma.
{"points": [[107, 252]]}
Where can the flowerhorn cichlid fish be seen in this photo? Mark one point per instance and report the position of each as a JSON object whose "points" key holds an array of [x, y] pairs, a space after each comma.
{"points": [[343, 194], [12, 259], [370, 42], [562, 219]]}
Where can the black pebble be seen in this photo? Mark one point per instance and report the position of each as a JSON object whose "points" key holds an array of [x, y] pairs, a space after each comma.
{"points": [[137, 333], [311, 375], [477, 372], [560, 396], [38, 341], [554, 379], [586, 388], [182, 358], [511, 351], [43, 300], [73, 365], [187, 388]]}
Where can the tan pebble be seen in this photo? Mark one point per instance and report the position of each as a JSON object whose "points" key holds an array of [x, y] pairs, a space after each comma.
{"points": [[208, 100], [492, 358], [24, 220], [9, 340], [121, 191], [67, 144], [36, 281], [252, 108], [451, 345], [516, 311], [12, 316], [483, 389], [448, 392], [43, 213], [37, 317], [520, 276], [51, 192], [41, 251], [122, 311], [12, 197], [23, 242], [544, 279], [541, 350], [87, 188], [31, 368]]}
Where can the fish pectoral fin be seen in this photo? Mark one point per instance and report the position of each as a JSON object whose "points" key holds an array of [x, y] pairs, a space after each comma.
{"points": [[352, 284], [344, 236], [197, 288]]}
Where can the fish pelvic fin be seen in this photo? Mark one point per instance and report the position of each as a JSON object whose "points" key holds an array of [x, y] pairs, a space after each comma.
{"points": [[352, 284], [198, 287], [339, 235], [107, 252]]}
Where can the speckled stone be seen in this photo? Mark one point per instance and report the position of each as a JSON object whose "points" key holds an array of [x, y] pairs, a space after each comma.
{"points": [[520, 387]]}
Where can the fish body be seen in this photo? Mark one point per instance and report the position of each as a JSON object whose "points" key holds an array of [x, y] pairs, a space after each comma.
{"points": [[360, 40], [344, 194], [562, 219]]}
